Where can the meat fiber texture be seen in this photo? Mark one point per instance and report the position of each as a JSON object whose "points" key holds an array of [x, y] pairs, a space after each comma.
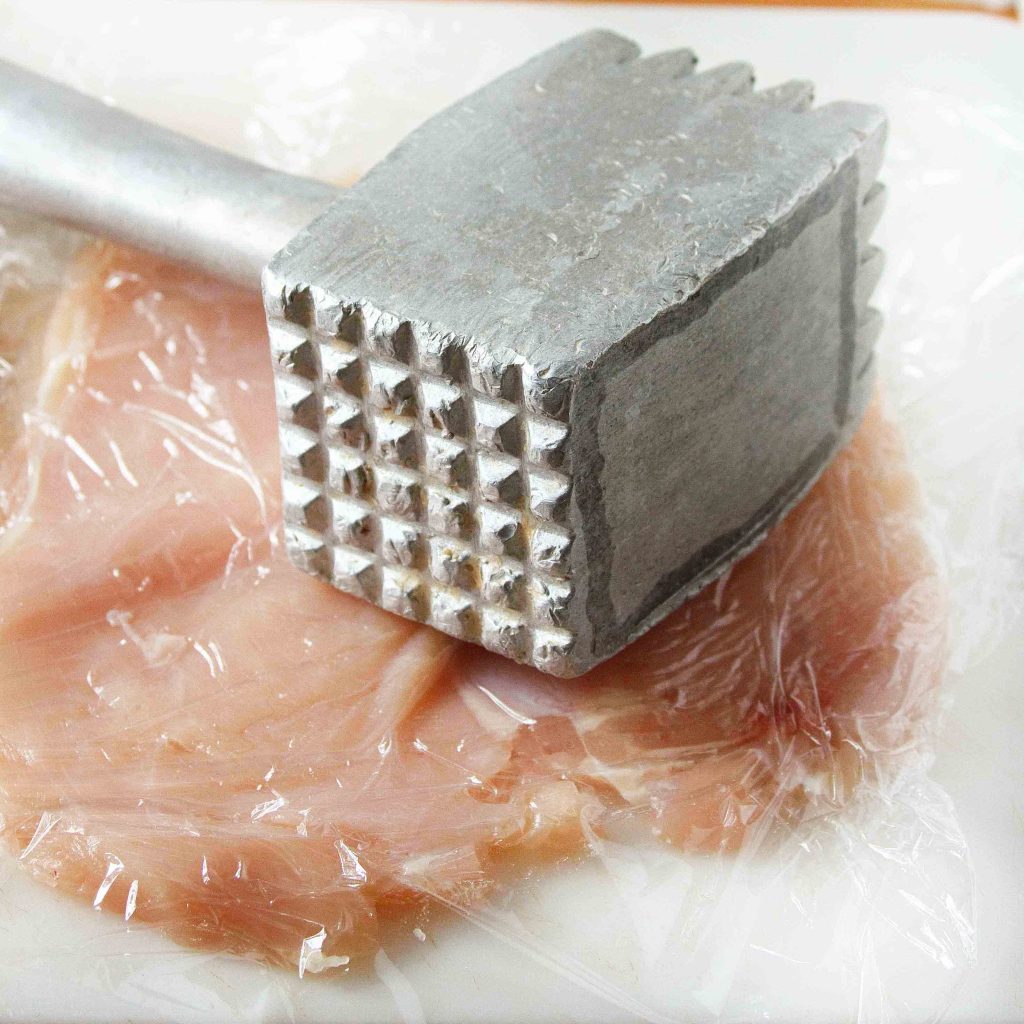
{"points": [[197, 736]]}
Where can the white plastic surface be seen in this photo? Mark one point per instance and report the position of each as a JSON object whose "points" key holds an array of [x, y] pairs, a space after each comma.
{"points": [[954, 298]]}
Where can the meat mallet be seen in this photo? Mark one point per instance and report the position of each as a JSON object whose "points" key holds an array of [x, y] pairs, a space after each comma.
{"points": [[556, 362]]}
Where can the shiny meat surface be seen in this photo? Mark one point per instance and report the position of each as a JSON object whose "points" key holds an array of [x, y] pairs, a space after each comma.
{"points": [[195, 735]]}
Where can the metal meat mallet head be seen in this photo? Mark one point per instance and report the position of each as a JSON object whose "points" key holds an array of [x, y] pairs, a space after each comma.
{"points": [[564, 355]]}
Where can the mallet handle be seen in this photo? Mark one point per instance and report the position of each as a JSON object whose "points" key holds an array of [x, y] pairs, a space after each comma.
{"points": [[70, 157]]}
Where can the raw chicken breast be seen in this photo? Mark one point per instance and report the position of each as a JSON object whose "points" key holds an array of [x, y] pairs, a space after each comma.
{"points": [[194, 734]]}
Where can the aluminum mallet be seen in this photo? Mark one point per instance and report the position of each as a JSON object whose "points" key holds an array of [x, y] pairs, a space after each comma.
{"points": [[556, 362]]}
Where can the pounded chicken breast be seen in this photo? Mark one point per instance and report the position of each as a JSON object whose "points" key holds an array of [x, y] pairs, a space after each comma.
{"points": [[197, 735]]}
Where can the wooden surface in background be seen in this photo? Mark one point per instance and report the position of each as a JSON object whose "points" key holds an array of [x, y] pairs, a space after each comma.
{"points": [[1007, 9]]}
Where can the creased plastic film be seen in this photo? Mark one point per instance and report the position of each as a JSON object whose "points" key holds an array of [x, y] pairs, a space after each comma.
{"points": [[204, 749]]}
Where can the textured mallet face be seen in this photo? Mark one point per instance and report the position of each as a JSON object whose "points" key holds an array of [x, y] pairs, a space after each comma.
{"points": [[412, 480], [574, 346]]}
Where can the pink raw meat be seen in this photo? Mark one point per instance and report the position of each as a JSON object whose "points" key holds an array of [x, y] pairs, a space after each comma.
{"points": [[194, 734]]}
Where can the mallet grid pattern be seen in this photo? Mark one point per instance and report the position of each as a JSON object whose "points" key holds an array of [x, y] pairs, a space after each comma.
{"points": [[420, 481]]}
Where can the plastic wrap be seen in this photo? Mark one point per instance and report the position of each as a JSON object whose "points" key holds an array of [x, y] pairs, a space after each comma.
{"points": [[732, 818]]}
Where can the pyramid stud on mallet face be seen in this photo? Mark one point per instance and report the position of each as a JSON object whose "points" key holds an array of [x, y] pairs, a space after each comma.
{"points": [[575, 345]]}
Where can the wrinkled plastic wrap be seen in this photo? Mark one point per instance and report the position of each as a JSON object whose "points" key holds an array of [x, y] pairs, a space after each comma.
{"points": [[216, 751]]}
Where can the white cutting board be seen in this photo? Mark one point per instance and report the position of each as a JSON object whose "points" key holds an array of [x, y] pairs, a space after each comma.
{"points": [[954, 87]]}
